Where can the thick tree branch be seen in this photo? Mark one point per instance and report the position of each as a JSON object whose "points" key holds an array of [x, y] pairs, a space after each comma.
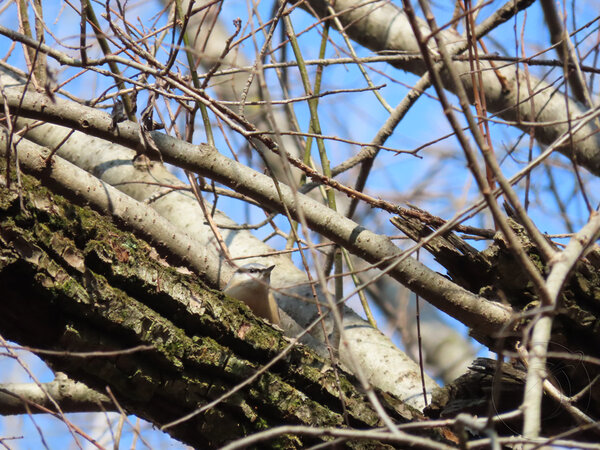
{"points": [[484, 317], [383, 26], [92, 288]]}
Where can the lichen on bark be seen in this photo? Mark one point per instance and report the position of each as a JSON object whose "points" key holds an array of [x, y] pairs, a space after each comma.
{"points": [[76, 282]]}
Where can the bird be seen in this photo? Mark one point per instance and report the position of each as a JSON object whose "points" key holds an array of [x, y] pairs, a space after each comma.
{"points": [[250, 284]]}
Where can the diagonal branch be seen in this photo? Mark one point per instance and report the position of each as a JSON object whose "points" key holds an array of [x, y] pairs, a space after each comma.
{"points": [[383, 26], [483, 316]]}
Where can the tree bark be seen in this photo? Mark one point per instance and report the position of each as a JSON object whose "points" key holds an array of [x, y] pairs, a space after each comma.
{"points": [[73, 282]]}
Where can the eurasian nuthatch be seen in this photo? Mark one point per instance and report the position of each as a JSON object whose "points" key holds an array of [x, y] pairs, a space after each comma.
{"points": [[250, 284]]}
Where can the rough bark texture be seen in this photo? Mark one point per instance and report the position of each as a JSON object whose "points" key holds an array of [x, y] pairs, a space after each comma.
{"points": [[482, 316], [384, 365], [72, 281], [494, 273]]}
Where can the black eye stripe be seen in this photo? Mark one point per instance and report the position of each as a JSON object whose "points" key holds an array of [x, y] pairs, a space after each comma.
{"points": [[256, 271]]}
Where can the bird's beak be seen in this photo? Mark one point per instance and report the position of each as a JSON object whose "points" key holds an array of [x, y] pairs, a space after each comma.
{"points": [[266, 273]]}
